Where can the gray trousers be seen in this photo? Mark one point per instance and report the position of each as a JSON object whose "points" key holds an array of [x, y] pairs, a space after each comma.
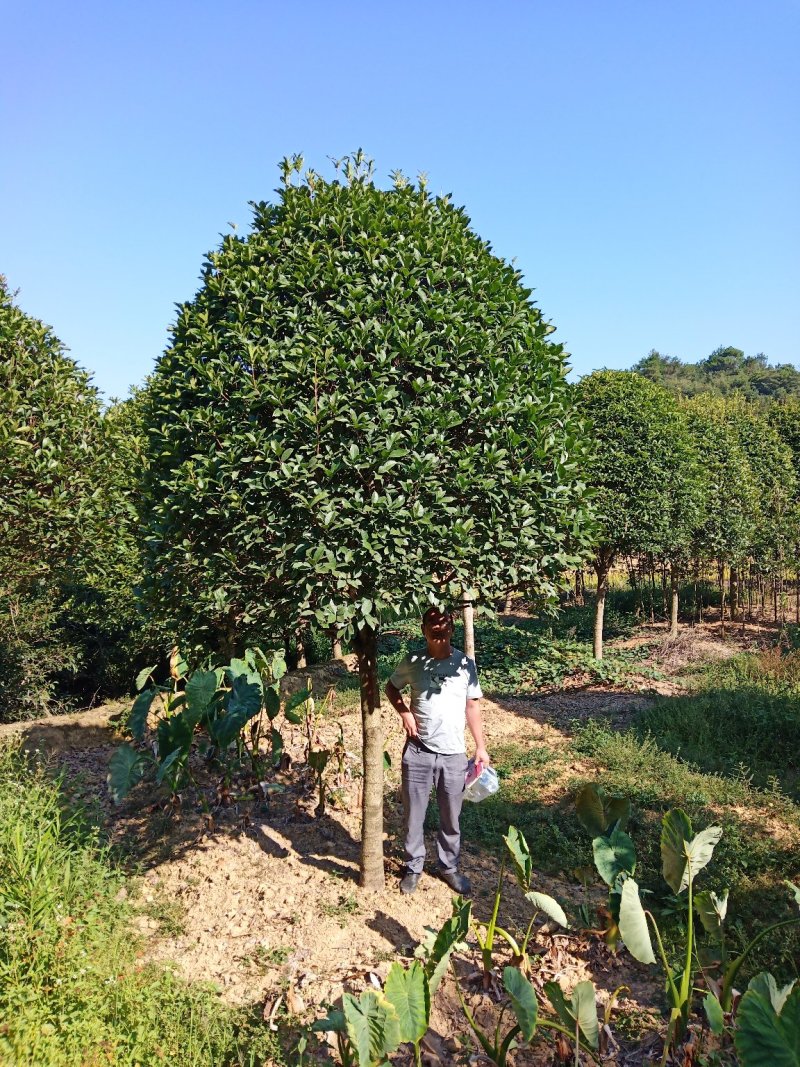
{"points": [[422, 770]]}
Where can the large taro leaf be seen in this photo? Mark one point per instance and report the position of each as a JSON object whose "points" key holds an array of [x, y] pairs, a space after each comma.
{"points": [[520, 856], [676, 830], [174, 733], [142, 676], [200, 692], [712, 911], [242, 703], [581, 1009], [137, 720], [409, 993], [767, 987], [372, 1026], [454, 931], [763, 1038], [125, 768], [550, 906], [614, 855], [597, 811], [699, 851], [633, 924], [523, 1001]]}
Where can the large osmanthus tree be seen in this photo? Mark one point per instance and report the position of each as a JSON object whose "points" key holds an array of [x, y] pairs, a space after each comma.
{"points": [[646, 476], [359, 415]]}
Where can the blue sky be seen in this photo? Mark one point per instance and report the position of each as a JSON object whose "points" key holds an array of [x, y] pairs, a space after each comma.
{"points": [[640, 160]]}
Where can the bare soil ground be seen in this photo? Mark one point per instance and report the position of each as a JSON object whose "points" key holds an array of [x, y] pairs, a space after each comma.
{"points": [[260, 895]]}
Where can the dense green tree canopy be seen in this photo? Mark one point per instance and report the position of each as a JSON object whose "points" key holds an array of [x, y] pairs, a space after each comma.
{"points": [[359, 411], [49, 440]]}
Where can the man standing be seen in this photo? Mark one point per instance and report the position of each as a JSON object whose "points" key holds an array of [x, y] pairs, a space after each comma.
{"points": [[444, 697]]}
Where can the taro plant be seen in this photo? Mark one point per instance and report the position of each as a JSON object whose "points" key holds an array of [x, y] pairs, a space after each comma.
{"points": [[577, 1018], [606, 819], [683, 856], [486, 932], [712, 911], [219, 702], [370, 1027]]}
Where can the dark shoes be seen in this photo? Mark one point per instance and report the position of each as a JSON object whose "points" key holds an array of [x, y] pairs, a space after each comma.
{"points": [[409, 882], [459, 883]]}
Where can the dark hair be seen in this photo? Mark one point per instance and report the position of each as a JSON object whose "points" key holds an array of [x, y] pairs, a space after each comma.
{"points": [[439, 611]]}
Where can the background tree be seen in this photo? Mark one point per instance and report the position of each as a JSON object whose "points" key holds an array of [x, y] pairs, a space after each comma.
{"points": [[50, 434], [359, 415], [643, 472], [726, 372], [727, 527]]}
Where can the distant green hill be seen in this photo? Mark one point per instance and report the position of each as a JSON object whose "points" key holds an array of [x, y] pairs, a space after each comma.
{"points": [[725, 371]]}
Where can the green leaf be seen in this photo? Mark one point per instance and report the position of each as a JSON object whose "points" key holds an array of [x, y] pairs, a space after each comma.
{"points": [[333, 1021], [712, 911], [174, 732], [520, 855], [143, 676], [408, 991], [581, 1010], [633, 924], [372, 1025], [272, 702], [613, 856], [699, 851], [762, 1037], [796, 890], [242, 703], [125, 769], [137, 720], [584, 1007], [550, 906], [676, 830], [523, 1001], [714, 1014], [200, 692], [387, 761], [767, 987], [278, 665], [453, 931], [589, 808], [295, 700], [168, 763]]}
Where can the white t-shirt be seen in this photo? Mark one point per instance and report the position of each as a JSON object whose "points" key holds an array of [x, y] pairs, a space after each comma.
{"points": [[440, 689]]}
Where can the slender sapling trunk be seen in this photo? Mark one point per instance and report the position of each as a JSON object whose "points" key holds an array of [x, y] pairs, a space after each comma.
{"points": [[372, 874]]}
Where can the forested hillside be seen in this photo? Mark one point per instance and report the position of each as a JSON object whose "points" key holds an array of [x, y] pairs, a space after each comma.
{"points": [[727, 370]]}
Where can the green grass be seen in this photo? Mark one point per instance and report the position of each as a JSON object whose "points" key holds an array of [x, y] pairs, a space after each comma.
{"points": [[72, 990]]}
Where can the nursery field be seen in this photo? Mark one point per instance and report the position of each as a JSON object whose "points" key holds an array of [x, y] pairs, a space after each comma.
{"points": [[216, 926]]}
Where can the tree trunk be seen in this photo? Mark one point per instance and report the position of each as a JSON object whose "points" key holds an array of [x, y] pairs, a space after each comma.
{"points": [[579, 588], [336, 644], [673, 615], [602, 566], [469, 628], [734, 595], [301, 651], [372, 875], [509, 602]]}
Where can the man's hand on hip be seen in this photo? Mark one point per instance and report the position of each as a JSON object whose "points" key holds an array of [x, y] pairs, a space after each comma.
{"points": [[409, 723]]}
